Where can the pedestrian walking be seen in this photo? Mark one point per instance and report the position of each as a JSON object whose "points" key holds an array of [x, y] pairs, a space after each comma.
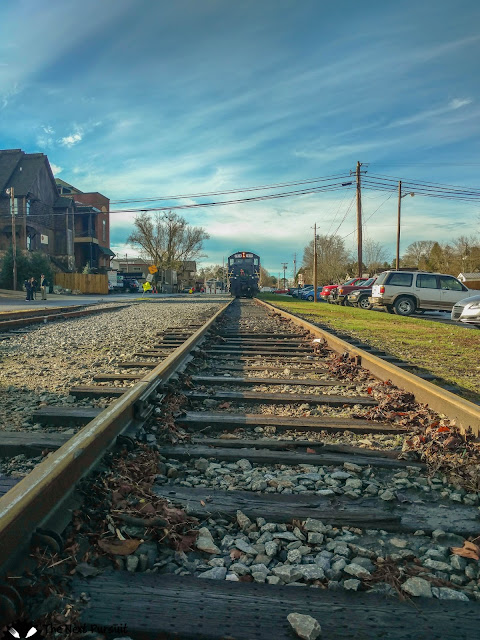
{"points": [[28, 288], [43, 286]]}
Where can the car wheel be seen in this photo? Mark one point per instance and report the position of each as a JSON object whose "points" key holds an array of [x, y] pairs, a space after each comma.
{"points": [[389, 308], [309, 298], [345, 303], [404, 306], [363, 303]]}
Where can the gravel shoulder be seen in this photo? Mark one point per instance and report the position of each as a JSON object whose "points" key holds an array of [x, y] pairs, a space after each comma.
{"points": [[39, 366]]}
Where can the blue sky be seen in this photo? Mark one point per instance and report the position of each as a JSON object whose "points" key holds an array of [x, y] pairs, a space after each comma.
{"points": [[146, 98]]}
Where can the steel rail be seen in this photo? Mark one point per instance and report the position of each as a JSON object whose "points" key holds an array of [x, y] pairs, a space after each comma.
{"points": [[29, 503], [465, 413], [45, 315]]}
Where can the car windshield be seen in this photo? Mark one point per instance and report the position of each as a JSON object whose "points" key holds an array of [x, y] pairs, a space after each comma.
{"points": [[351, 281], [368, 282]]}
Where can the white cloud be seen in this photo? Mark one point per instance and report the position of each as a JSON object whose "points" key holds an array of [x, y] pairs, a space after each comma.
{"points": [[456, 103], [48, 129], [56, 169], [72, 139], [6, 96]]}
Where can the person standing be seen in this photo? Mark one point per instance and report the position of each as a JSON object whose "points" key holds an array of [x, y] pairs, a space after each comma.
{"points": [[34, 288], [28, 289], [43, 286]]}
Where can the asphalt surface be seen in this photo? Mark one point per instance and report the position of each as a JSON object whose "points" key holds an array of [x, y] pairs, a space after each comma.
{"points": [[16, 302]]}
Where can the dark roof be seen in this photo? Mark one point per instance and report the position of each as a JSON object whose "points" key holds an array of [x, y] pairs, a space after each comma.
{"points": [[19, 170], [62, 183], [26, 172], [62, 202], [9, 158], [86, 208], [105, 251]]}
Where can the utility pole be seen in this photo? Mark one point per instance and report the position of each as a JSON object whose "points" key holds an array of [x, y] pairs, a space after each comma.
{"points": [[359, 222], [294, 267], [315, 262], [14, 236], [397, 263], [400, 196], [284, 266]]}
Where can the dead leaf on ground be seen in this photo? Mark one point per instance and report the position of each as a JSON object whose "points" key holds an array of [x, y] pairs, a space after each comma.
{"points": [[224, 405], [235, 554], [469, 550], [309, 450], [119, 547], [147, 509]]}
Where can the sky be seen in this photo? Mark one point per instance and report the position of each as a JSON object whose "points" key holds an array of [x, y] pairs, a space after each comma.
{"points": [[149, 99]]}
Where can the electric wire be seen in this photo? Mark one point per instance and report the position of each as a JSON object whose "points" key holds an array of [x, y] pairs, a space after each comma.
{"points": [[239, 190]]}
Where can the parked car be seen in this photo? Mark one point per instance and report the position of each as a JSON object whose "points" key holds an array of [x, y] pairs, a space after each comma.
{"points": [[131, 285], [340, 295], [280, 291], [404, 292], [360, 298], [328, 288], [468, 311], [308, 294], [298, 292]]}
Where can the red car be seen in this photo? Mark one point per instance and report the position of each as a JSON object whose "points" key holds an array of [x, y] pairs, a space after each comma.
{"points": [[280, 291], [339, 295], [327, 289]]}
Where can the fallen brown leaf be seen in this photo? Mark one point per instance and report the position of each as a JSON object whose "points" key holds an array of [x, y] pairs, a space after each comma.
{"points": [[119, 547], [469, 550]]}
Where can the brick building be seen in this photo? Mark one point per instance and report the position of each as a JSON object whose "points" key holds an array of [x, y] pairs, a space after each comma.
{"points": [[92, 227]]}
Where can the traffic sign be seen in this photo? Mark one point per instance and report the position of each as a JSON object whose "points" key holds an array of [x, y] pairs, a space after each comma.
{"points": [[153, 269]]}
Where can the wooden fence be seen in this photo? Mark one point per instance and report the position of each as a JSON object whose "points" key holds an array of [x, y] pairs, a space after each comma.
{"points": [[86, 283]]}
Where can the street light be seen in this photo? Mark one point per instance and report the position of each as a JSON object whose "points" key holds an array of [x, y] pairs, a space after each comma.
{"points": [[284, 266], [10, 192], [400, 196]]}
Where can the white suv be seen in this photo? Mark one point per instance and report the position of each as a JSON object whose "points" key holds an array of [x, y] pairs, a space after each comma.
{"points": [[404, 292]]}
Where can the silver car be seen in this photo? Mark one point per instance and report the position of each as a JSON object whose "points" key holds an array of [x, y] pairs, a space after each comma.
{"points": [[468, 311]]}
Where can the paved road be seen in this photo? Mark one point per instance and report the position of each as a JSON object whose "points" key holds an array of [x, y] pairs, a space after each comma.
{"points": [[14, 302]]}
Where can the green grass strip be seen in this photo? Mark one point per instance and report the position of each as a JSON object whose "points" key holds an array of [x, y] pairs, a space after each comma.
{"points": [[448, 351]]}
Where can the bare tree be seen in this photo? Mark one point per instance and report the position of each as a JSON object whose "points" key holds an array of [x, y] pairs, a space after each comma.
{"points": [[266, 280], [332, 258], [374, 255], [167, 239], [416, 252]]}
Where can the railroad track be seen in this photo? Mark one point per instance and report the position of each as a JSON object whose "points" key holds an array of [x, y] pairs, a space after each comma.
{"points": [[271, 475]]}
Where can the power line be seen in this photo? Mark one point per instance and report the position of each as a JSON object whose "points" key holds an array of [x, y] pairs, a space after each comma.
{"points": [[370, 216], [238, 190], [345, 215], [199, 205]]}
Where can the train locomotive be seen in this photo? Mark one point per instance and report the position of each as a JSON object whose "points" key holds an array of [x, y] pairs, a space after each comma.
{"points": [[243, 274]]}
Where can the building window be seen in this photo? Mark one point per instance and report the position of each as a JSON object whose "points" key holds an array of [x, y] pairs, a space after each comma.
{"points": [[28, 207], [29, 243], [104, 230]]}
